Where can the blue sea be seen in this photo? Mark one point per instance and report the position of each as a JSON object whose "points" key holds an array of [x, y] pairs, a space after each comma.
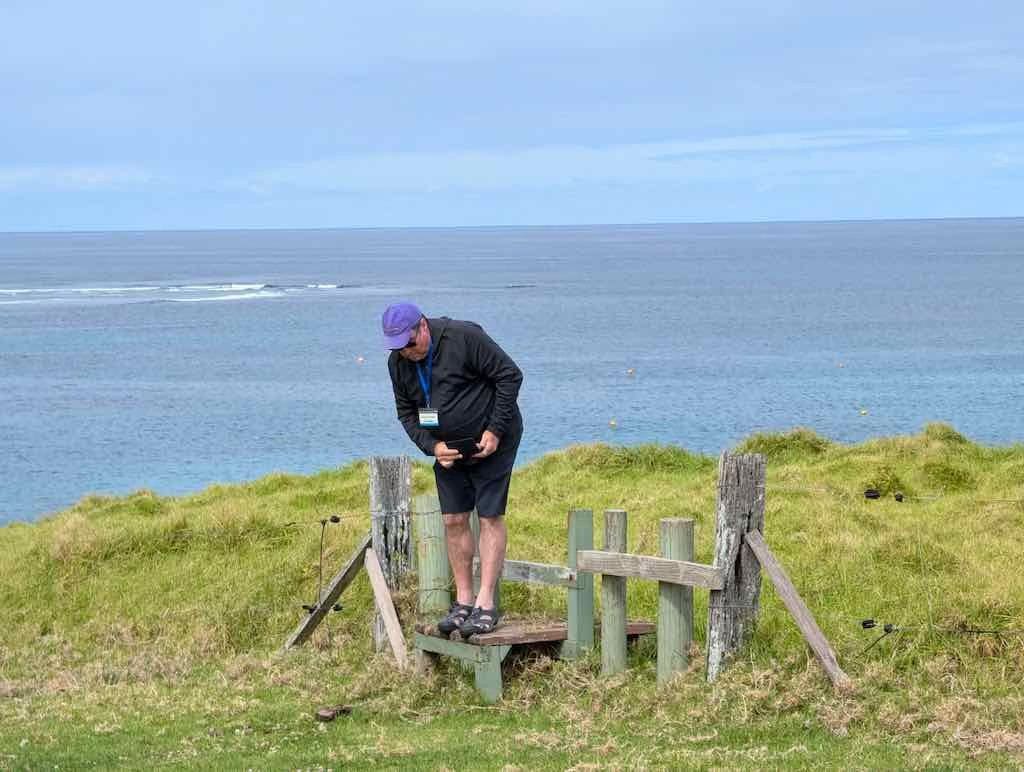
{"points": [[173, 360]]}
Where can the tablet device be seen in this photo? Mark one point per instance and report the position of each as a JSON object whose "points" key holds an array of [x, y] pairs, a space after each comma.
{"points": [[466, 446]]}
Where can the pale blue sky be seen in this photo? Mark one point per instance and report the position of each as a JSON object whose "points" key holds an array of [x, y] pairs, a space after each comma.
{"points": [[327, 114]]}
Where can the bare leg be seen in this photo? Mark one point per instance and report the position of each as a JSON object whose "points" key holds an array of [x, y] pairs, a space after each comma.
{"points": [[493, 539], [460, 554]]}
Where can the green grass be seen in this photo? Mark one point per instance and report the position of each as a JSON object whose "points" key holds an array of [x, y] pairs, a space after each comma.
{"points": [[144, 631]]}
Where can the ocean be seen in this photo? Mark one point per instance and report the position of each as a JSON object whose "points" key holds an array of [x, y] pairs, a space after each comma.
{"points": [[174, 360]]}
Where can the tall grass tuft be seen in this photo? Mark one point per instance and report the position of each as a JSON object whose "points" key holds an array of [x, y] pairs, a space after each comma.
{"points": [[795, 445]]}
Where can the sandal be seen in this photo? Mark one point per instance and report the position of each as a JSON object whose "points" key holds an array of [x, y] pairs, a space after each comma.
{"points": [[457, 615], [482, 620]]}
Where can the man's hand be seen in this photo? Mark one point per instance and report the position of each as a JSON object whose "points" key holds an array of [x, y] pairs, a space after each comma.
{"points": [[446, 456], [488, 444]]}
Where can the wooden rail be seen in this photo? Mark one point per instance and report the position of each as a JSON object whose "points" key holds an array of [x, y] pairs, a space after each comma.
{"points": [[646, 567], [537, 573]]}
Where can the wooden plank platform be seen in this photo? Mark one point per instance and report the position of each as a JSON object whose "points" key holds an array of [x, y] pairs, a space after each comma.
{"points": [[514, 632]]}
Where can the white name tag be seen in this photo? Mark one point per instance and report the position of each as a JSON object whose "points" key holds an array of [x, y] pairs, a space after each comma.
{"points": [[428, 418]]}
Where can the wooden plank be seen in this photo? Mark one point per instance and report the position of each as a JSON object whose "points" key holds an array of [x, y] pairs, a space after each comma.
{"points": [[646, 567], [386, 608], [675, 603], [458, 649], [434, 573], [391, 525], [613, 598], [337, 585], [538, 573], [732, 608], [531, 632], [581, 596], [512, 634], [798, 609]]}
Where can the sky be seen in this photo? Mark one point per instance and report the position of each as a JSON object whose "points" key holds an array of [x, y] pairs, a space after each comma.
{"points": [[128, 115]]}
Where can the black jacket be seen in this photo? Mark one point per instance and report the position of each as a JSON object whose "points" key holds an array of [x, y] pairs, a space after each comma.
{"points": [[474, 386]]}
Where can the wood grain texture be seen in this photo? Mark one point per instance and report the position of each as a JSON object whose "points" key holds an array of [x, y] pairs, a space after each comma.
{"points": [[532, 632], [613, 597], [646, 567], [580, 606], [434, 575], [537, 573], [798, 609], [732, 610], [675, 602], [386, 608], [391, 525]]}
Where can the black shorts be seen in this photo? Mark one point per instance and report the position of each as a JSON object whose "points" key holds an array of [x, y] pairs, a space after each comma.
{"points": [[483, 484]]}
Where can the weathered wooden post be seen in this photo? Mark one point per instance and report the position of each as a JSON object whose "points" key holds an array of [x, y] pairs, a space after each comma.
{"points": [[391, 527], [732, 611], [433, 571], [675, 602], [580, 635], [613, 598]]}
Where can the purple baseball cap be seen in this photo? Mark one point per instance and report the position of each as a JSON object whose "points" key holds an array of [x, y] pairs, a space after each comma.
{"points": [[397, 322]]}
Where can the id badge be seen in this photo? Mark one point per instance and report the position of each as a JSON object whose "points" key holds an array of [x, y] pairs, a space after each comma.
{"points": [[428, 418]]}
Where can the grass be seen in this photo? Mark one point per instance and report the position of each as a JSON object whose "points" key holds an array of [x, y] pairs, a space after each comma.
{"points": [[144, 631]]}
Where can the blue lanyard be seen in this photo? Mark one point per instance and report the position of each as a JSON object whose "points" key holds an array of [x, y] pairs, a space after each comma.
{"points": [[425, 381]]}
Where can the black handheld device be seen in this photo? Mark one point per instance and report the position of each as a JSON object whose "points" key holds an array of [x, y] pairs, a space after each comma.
{"points": [[465, 445]]}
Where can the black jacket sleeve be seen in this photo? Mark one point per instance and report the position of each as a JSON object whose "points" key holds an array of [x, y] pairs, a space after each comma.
{"points": [[488, 359], [408, 412]]}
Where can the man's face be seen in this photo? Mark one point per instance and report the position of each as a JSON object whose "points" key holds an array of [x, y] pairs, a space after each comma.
{"points": [[419, 341]]}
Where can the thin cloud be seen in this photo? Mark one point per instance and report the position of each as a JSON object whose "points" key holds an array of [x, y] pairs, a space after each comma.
{"points": [[825, 154], [73, 178]]}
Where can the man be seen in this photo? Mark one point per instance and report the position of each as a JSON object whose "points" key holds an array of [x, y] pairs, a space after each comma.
{"points": [[451, 383]]}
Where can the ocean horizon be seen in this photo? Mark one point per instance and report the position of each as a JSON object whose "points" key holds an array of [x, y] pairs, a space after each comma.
{"points": [[172, 360]]}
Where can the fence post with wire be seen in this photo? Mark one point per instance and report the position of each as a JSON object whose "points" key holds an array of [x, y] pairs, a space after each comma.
{"points": [[391, 527]]}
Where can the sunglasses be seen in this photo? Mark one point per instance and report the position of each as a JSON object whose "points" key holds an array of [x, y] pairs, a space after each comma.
{"points": [[413, 339]]}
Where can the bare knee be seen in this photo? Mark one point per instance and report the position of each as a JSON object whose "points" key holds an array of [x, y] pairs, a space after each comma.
{"points": [[457, 520], [495, 524]]}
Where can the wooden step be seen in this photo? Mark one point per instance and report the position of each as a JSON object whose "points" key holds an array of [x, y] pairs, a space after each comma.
{"points": [[516, 632]]}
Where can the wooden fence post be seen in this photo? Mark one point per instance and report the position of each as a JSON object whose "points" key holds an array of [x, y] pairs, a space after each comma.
{"points": [[675, 602], [613, 598], [732, 611], [432, 569], [391, 527], [580, 635]]}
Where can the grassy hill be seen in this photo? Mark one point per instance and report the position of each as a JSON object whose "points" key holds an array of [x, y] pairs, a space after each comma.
{"points": [[145, 631]]}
